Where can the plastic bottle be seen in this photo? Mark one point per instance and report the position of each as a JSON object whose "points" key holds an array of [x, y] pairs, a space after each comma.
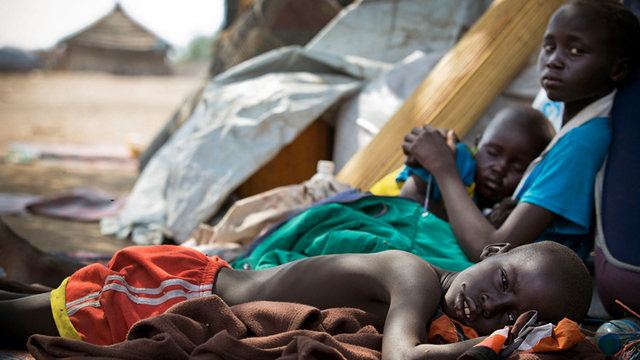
{"points": [[613, 335], [324, 170]]}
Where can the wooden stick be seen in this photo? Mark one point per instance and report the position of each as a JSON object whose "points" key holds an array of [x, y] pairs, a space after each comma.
{"points": [[627, 308]]}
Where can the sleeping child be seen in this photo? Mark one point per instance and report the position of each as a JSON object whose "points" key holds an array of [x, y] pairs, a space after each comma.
{"points": [[490, 172]]}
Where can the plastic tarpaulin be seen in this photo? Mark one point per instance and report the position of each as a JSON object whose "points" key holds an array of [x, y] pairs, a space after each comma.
{"points": [[246, 115]]}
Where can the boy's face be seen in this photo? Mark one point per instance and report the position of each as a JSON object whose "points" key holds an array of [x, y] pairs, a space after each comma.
{"points": [[504, 152], [576, 64], [494, 292]]}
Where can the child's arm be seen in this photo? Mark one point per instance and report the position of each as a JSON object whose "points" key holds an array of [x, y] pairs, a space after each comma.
{"points": [[446, 351], [416, 188], [473, 231]]}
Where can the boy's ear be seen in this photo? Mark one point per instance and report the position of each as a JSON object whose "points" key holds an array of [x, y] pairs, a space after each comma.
{"points": [[476, 141], [494, 249], [620, 70]]}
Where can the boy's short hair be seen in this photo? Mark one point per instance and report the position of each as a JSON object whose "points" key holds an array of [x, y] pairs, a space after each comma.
{"points": [[532, 121], [539, 125], [622, 24], [575, 280]]}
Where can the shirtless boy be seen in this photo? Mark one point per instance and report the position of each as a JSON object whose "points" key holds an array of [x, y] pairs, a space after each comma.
{"points": [[98, 304]]}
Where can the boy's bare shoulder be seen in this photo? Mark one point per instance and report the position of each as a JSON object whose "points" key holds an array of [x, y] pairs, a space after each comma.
{"points": [[400, 257], [381, 276], [402, 267], [386, 260]]}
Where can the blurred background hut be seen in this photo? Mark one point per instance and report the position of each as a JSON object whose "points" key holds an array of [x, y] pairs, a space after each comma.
{"points": [[115, 44]]}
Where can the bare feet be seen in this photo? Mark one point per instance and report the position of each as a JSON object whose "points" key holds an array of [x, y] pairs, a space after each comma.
{"points": [[26, 264]]}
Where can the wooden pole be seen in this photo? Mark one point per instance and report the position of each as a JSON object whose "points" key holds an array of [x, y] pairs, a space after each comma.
{"points": [[461, 86]]}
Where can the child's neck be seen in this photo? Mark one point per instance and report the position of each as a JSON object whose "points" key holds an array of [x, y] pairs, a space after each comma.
{"points": [[446, 278], [571, 109]]}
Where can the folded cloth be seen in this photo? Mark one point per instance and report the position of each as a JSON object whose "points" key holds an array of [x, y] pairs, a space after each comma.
{"points": [[528, 339]]}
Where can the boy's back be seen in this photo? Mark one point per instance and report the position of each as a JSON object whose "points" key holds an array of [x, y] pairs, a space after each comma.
{"points": [[364, 281]]}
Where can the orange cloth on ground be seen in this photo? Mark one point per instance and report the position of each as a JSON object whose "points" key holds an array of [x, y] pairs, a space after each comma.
{"points": [[444, 330], [527, 336], [548, 338]]}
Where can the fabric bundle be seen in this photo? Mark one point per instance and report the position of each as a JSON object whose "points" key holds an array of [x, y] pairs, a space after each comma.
{"points": [[528, 339]]}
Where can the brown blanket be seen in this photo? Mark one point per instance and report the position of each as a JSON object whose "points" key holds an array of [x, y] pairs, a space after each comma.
{"points": [[208, 328]]}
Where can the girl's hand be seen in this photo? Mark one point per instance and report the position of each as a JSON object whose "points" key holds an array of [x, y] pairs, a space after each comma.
{"points": [[430, 148]]}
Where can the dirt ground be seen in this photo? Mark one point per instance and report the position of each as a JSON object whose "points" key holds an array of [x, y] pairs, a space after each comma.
{"points": [[86, 108], [85, 111]]}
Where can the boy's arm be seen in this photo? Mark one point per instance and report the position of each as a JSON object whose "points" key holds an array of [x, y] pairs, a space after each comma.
{"points": [[446, 351], [413, 303], [414, 299], [472, 230]]}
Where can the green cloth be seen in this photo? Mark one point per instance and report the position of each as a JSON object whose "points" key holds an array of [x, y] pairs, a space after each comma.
{"points": [[367, 225]]}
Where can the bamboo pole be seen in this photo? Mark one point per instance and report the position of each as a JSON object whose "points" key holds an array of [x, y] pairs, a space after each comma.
{"points": [[461, 86]]}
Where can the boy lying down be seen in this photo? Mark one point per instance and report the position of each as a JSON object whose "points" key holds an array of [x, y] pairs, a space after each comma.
{"points": [[99, 304]]}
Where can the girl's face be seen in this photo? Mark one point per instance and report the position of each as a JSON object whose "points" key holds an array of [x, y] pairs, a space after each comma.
{"points": [[576, 63]]}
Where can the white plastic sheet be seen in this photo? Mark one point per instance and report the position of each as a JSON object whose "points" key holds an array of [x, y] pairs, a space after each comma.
{"points": [[245, 117]]}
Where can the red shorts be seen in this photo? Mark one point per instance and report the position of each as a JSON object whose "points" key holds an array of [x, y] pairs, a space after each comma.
{"points": [[99, 304]]}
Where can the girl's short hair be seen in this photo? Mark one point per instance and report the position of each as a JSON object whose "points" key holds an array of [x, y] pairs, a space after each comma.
{"points": [[622, 24]]}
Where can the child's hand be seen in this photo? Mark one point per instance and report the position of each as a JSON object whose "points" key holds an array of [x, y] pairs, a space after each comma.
{"points": [[429, 147]]}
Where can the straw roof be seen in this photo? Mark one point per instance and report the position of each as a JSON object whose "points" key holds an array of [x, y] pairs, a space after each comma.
{"points": [[117, 31]]}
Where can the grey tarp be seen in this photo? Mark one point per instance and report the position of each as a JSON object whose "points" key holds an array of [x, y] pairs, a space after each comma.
{"points": [[246, 115]]}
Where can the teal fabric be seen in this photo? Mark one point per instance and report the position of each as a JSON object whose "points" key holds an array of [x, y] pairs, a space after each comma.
{"points": [[370, 224], [466, 167]]}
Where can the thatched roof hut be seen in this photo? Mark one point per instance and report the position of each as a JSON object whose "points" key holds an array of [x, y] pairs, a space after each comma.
{"points": [[116, 44]]}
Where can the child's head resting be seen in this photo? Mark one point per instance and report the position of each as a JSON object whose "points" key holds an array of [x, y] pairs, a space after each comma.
{"points": [[544, 276], [589, 48], [513, 138]]}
